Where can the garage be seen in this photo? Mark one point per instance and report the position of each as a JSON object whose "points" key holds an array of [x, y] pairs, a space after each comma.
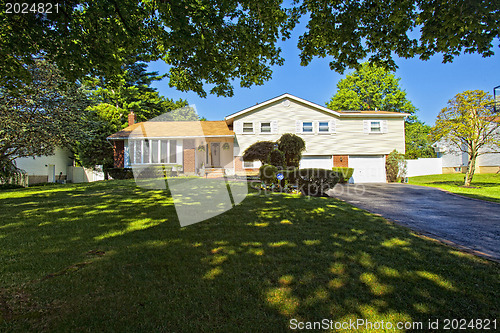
{"points": [[368, 168], [319, 161]]}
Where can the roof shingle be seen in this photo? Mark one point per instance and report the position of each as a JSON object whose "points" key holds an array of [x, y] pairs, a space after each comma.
{"points": [[165, 129]]}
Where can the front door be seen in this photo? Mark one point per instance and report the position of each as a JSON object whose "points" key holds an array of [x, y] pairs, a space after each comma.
{"points": [[215, 154], [51, 173]]}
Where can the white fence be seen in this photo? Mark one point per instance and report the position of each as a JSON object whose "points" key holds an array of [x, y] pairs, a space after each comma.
{"points": [[83, 175], [424, 166]]}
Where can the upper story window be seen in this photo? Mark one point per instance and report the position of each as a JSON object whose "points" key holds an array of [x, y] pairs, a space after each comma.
{"points": [[307, 127], [323, 127], [375, 127], [265, 127], [315, 127], [247, 127]]}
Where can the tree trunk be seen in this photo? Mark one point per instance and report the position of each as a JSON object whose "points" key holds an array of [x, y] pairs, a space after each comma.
{"points": [[470, 170]]}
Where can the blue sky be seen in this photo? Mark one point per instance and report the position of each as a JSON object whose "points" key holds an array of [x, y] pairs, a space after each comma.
{"points": [[428, 84]]}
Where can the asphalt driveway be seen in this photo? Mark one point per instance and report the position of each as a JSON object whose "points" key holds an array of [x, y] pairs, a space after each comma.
{"points": [[468, 223]]}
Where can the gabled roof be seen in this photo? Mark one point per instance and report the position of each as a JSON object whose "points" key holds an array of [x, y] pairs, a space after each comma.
{"points": [[319, 107], [174, 129]]}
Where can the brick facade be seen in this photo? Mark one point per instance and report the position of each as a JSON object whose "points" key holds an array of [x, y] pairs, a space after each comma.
{"points": [[340, 161], [118, 153], [238, 164], [189, 157]]}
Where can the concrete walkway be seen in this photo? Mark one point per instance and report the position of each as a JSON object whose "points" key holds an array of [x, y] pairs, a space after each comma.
{"points": [[472, 224]]}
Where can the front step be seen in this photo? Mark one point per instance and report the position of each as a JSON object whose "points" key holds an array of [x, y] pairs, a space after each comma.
{"points": [[214, 173]]}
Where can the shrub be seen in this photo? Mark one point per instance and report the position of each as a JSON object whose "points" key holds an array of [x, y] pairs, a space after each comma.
{"points": [[395, 166], [290, 174], [292, 146], [344, 173], [258, 151], [156, 171], [10, 186], [121, 173], [315, 182], [276, 158], [267, 174]]}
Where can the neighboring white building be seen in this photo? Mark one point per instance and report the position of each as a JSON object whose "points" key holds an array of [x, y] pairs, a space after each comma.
{"points": [[455, 160], [44, 169], [356, 139], [56, 167]]}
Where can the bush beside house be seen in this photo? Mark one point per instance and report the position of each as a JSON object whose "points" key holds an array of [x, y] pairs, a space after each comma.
{"points": [[344, 173]]}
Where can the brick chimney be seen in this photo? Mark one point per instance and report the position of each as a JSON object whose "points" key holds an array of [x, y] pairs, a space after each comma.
{"points": [[131, 118]]}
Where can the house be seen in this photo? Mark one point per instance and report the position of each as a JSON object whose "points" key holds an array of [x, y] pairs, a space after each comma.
{"points": [[43, 169], [58, 167], [455, 160], [356, 139]]}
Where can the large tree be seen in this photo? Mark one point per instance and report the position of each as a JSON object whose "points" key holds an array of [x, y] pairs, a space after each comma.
{"points": [[113, 100], [36, 118], [375, 88], [418, 140], [470, 125], [132, 91], [211, 43], [370, 88]]}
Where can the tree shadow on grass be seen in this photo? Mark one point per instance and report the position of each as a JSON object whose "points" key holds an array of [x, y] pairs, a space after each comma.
{"points": [[254, 268]]}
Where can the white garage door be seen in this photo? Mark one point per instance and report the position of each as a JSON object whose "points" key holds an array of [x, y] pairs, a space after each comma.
{"points": [[322, 162], [368, 169]]}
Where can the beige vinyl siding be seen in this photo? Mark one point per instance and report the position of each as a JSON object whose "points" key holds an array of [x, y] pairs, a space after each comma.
{"points": [[349, 137]]}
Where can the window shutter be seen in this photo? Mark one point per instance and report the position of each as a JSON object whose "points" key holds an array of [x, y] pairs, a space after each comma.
{"points": [[384, 126], [238, 127], [332, 126], [274, 126], [298, 126], [366, 126]]}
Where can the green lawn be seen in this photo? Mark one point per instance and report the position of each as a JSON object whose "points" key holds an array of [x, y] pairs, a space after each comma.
{"points": [[485, 186], [109, 256]]}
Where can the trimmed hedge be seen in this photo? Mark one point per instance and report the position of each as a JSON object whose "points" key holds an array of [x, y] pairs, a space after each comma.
{"points": [[345, 173], [155, 171], [315, 182], [120, 173], [267, 174]]}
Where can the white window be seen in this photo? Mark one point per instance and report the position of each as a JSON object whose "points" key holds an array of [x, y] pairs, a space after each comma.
{"points": [[375, 127], [155, 156], [153, 151], [323, 127], [247, 127], [251, 164], [307, 127], [265, 127]]}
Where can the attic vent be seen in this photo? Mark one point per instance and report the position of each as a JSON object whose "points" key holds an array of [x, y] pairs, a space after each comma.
{"points": [[286, 103]]}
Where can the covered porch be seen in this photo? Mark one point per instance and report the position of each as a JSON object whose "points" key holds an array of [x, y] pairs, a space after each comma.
{"points": [[214, 156]]}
